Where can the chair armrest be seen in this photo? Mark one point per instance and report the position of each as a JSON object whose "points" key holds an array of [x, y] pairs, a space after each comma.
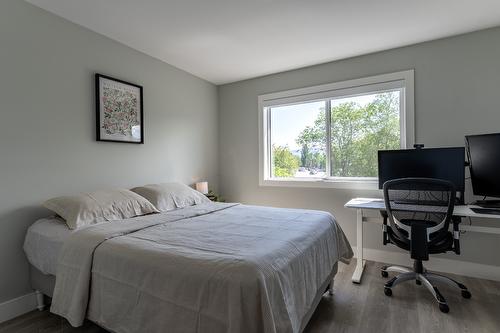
{"points": [[456, 234], [385, 236]]}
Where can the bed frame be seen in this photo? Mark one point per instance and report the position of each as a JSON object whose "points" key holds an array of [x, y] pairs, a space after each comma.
{"points": [[43, 284]]}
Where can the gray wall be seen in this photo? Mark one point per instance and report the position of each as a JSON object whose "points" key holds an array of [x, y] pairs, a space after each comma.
{"points": [[47, 134], [457, 90]]}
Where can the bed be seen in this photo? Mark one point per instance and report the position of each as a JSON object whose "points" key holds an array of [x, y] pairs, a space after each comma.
{"points": [[213, 267]]}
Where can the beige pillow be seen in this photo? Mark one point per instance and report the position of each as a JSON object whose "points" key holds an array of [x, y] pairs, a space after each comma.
{"points": [[100, 206], [169, 196]]}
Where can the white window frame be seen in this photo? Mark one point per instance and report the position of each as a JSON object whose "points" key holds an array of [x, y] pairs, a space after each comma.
{"points": [[403, 80]]}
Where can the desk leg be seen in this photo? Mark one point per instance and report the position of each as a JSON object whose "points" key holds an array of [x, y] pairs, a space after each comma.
{"points": [[360, 262]]}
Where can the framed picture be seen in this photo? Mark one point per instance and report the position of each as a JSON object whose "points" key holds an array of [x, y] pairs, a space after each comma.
{"points": [[119, 110]]}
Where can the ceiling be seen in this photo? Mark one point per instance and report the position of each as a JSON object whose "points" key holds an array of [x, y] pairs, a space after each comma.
{"points": [[224, 41]]}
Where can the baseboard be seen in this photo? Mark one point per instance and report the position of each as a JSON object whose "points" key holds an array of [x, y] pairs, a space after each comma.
{"points": [[459, 267], [17, 306]]}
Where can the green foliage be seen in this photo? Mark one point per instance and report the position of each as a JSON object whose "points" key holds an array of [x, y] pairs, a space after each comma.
{"points": [[285, 164], [304, 154], [357, 133], [313, 144]]}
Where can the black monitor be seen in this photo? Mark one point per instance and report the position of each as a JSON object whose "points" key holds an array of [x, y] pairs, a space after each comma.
{"points": [[441, 163], [484, 158]]}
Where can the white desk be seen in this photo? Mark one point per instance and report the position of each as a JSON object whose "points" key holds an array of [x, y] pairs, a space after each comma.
{"points": [[362, 204]]}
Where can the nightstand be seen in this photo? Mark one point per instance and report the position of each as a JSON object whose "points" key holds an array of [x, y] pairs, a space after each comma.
{"points": [[214, 197]]}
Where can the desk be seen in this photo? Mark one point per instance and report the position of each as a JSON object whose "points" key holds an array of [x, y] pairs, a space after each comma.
{"points": [[362, 204]]}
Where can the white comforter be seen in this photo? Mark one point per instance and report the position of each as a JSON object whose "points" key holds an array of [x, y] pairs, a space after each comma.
{"points": [[206, 268]]}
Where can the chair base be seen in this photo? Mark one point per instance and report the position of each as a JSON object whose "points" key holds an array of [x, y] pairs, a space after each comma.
{"points": [[421, 276]]}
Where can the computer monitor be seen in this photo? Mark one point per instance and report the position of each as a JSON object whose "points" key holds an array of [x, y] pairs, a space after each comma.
{"points": [[484, 163], [440, 163]]}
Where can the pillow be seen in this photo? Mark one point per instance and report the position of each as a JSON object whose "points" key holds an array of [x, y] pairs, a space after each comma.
{"points": [[169, 196], [100, 206]]}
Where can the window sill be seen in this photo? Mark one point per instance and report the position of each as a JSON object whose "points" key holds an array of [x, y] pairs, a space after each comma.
{"points": [[352, 183]]}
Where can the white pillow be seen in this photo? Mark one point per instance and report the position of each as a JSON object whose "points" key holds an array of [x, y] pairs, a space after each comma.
{"points": [[100, 206], [169, 196]]}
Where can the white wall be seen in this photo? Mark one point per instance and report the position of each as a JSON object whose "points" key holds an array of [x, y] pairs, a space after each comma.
{"points": [[47, 126], [457, 90]]}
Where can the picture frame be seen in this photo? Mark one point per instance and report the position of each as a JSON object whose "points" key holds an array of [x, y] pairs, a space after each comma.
{"points": [[119, 110]]}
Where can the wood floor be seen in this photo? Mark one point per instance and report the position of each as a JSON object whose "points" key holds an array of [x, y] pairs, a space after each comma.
{"points": [[356, 308]]}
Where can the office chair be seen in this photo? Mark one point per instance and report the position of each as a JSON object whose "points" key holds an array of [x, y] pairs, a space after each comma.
{"points": [[419, 211]]}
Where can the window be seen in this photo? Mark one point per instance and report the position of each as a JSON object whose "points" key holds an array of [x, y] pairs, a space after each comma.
{"points": [[329, 135]]}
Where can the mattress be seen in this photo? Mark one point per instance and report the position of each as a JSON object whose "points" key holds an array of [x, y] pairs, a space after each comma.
{"points": [[44, 241]]}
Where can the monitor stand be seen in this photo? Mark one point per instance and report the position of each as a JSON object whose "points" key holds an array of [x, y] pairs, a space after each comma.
{"points": [[488, 203]]}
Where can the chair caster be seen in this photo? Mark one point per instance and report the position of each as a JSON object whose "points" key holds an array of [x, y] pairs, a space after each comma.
{"points": [[388, 291], [466, 294], [444, 308], [384, 274]]}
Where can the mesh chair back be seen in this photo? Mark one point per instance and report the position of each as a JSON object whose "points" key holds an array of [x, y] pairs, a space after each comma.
{"points": [[424, 201]]}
